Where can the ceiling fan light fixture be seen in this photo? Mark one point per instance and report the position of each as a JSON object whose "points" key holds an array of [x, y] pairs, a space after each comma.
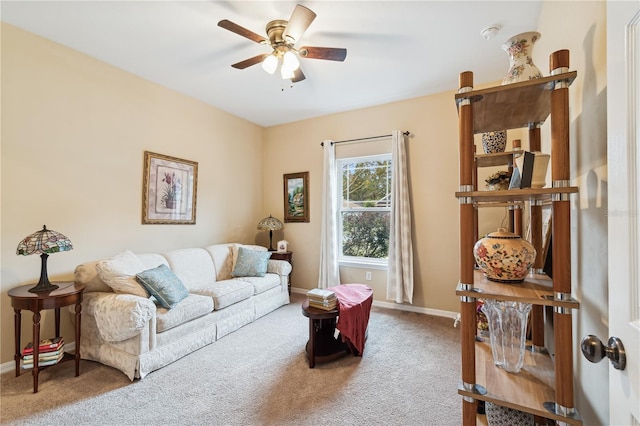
{"points": [[290, 61], [287, 73], [270, 64]]}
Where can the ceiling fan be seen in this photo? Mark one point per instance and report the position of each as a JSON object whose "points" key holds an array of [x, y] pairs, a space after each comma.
{"points": [[283, 35]]}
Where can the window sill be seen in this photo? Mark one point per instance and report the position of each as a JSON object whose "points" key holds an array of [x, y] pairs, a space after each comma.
{"points": [[365, 264]]}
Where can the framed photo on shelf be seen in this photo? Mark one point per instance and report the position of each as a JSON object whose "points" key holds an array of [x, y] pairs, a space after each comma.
{"points": [[169, 190], [296, 197], [283, 246]]}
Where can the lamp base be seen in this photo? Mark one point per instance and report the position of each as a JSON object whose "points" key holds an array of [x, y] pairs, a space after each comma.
{"points": [[44, 284], [43, 287]]}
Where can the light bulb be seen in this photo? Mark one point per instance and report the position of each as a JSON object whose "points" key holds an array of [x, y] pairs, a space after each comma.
{"points": [[290, 61], [270, 64], [286, 73]]}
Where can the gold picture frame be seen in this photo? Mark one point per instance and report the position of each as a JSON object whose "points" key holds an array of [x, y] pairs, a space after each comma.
{"points": [[296, 197], [169, 190]]}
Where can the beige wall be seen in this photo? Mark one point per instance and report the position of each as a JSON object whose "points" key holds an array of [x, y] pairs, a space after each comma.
{"points": [[433, 169], [73, 135], [581, 28]]}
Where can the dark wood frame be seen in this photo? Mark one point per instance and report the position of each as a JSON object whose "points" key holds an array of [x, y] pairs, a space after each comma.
{"points": [[302, 216], [151, 193]]}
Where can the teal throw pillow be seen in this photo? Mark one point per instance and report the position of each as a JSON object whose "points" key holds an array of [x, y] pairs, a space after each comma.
{"points": [[163, 284], [251, 263]]}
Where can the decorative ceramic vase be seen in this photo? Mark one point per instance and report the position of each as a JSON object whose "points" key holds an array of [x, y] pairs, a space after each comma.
{"points": [[493, 142], [504, 256], [521, 66], [540, 164], [507, 332]]}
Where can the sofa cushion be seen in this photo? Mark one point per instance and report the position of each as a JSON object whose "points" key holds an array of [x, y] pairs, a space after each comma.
{"points": [[222, 260], [193, 266], [251, 263], [262, 284], [227, 292], [163, 284], [191, 307], [120, 271], [87, 274], [235, 249], [151, 260]]}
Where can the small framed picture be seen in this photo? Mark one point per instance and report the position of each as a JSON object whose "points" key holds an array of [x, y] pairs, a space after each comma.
{"points": [[296, 197], [169, 190], [283, 246]]}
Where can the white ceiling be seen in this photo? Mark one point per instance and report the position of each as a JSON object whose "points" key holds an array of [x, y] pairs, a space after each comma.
{"points": [[396, 49]]}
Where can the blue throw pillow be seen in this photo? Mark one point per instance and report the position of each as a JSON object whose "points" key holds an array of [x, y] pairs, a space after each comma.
{"points": [[251, 263], [163, 284]]}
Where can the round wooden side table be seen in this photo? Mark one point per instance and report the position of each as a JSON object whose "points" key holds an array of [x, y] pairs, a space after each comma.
{"points": [[322, 346], [68, 293]]}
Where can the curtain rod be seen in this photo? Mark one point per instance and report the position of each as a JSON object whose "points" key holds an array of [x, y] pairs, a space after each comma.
{"points": [[407, 133]]}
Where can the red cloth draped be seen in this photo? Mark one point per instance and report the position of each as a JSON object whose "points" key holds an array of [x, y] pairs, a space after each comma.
{"points": [[355, 306]]}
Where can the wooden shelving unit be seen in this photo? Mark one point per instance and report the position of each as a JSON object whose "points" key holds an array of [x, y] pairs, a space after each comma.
{"points": [[544, 387]]}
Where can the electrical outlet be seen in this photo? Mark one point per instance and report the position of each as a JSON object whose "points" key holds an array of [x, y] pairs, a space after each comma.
{"points": [[367, 275]]}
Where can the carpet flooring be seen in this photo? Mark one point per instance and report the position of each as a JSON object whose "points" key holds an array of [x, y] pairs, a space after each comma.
{"points": [[259, 375]]}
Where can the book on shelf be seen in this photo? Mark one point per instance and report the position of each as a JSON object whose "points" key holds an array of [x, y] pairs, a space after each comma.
{"points": [[26, 364], [524, 165], [46, 345], [45, 356]]}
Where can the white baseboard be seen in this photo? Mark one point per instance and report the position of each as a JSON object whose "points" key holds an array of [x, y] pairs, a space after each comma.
{"points": [[399, 306], [11, 365]]}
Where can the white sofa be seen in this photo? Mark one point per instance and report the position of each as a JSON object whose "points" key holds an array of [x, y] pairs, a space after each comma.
{"points": [[137, 336]]}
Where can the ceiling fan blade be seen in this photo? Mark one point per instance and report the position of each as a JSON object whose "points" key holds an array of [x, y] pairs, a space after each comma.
{"points": [[235, 28], [298, 75], [329, 53], [300, 20], [251, 61]]}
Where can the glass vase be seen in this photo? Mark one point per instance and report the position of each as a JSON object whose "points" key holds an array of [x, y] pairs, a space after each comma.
{"points": [[507, 332]]}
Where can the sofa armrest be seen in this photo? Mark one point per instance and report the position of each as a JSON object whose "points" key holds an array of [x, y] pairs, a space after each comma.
{"points": [[280, 267], [118, 316]]}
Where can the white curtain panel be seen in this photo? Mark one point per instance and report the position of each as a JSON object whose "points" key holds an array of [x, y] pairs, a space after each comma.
{"points": [[400, 270], [329, 271]]}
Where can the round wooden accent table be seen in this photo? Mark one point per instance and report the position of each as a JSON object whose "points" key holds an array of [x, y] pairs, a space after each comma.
{"points": [[68, 293], [322, 346]]}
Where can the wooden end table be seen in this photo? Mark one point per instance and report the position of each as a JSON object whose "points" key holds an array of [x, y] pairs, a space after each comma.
{"points": [[286, 256], [322, 346], [68, 293]]}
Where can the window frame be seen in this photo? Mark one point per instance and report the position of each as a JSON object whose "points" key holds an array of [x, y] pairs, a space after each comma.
{"points": [[357, 261]]}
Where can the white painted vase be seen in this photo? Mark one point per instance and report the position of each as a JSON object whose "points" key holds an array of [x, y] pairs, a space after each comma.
{"points": [[521, 66], [540, 165]]}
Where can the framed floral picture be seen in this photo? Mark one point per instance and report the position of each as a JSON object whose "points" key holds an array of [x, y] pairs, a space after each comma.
{"points": [[296, 197], [169, 190]]}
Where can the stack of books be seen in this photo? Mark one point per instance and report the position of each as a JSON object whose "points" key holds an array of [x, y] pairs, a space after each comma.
{"points": [[322, 299], [50, 352]]}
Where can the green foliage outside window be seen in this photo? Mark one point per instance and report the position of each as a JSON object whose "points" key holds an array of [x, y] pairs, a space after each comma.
{"points": [[365, 209], [365, 234]]}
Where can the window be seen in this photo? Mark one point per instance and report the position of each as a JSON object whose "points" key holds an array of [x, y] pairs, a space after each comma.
{"points": [[364, 191]]}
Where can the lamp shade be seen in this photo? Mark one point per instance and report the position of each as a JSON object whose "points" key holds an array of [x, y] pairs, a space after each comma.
{"points": [[44, 242], [270, 64], [270, 224]]}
